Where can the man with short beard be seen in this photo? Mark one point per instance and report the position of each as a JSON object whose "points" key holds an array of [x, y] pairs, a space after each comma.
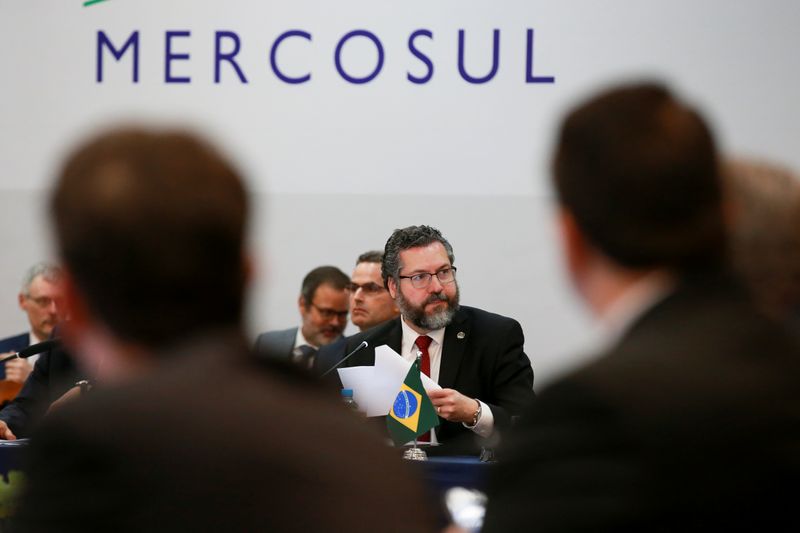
{"points": [[477, 357]]}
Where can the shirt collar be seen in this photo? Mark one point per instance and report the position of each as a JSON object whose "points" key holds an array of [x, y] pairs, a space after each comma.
{"points": [[300, 340], [408, 333], [641, 296], [33, 339]]}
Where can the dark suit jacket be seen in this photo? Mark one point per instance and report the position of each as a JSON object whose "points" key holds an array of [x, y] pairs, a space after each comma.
{"points": [[53, 374], [216, 440], [691, 423], [13, 344], [276, 344], [487, 362]]}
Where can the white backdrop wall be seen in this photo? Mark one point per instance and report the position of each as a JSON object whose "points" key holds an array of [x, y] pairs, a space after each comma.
{"points": [[334, 166]]}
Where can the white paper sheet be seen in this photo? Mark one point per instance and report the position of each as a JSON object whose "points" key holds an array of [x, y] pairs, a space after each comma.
{"points": [[376, 387]]}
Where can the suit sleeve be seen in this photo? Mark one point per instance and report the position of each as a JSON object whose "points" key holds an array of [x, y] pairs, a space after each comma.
{"points": [[568, 467], [512, 378], [32, 400], [67, 487], [53, 374]]}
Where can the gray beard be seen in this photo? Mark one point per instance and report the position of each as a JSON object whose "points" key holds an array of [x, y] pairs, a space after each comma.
{"points": [[436, 320]]}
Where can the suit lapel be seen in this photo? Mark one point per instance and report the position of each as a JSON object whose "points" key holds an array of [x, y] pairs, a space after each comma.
{"points": [[390, 334], [288, 342], [453, 346], [394, 337]]}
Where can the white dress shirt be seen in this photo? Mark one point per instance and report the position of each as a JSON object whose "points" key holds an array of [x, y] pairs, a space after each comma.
{"points": [[639, 298], [300, 340], [409, 352], [33, 339]]}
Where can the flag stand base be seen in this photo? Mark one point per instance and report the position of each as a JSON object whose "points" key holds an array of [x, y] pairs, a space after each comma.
{"points": [[415, 454]]}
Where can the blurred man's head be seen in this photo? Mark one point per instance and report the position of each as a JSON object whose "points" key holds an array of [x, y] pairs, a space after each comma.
{"points": [[150, 226], [419, 273], [638, 180], [764, 201], [370, 302], [323, 305], [42, 298]]}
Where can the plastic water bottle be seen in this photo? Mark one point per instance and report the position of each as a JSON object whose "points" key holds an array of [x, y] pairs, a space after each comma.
{"points": [[347, 397]]}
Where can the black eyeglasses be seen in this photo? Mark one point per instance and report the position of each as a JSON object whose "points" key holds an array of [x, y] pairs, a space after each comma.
{"points": [[423, 279], [370, 288], [327, 314], [46, 301]]}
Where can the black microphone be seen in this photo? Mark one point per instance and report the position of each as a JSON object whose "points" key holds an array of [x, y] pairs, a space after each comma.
{"points": [[360, 347], [33, 349]]}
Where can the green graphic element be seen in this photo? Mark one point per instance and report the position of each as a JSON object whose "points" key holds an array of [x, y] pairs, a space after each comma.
{"points": [[92, 2], [9, 491]]}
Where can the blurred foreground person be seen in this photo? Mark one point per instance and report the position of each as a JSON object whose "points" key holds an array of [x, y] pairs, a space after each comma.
{"points": [[186, 430], [689, 419], [765, 234]]}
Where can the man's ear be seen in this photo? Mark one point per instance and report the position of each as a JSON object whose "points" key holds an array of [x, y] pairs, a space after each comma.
{"points": [[573, 243], [301, 305], [79, 317], [392, 286], [21, 300], [248, 268]]}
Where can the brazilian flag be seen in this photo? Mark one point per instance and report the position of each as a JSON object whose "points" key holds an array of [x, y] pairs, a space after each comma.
{"points": [[412, 413]]}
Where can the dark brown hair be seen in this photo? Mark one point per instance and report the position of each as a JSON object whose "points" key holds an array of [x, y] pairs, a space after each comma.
{"points": [[639, 172], [151, 226], [324, 275]]}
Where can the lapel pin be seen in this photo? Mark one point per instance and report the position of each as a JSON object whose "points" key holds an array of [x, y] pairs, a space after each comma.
{"points": [[461, 335]]}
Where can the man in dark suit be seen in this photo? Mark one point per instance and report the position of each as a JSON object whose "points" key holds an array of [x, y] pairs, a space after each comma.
{"points": [[186, 430], [323, 306], [476, 356], [370, 305], [14, 344], [689, 418], [53, 375], [41, 299]]}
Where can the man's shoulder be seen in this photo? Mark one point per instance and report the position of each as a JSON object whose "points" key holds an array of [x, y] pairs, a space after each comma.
{"points": [[483, 318], [178, 419], [710, 345], [276, 342], [229, 388], [374, 334], [14, 343], [276, 334]]}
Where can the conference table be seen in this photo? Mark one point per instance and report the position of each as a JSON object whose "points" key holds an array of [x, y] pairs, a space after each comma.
{"points": [[11, 464], [441, 473]]}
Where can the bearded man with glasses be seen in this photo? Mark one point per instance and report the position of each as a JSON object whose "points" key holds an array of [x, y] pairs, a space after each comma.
{"points": [[476, 356]]}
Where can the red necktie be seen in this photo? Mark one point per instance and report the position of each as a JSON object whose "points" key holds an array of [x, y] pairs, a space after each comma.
{"points": [[423, 342]]}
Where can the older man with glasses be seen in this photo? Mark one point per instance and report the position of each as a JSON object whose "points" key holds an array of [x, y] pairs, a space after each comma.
{"points": [[41, 298], [476, 356]]}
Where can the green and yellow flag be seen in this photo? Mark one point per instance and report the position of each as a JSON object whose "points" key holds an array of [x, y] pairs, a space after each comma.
{"points": [[412, 413]]}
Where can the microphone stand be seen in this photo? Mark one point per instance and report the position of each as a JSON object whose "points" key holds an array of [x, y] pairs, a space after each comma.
{"points": [[33, 349], [360, 347]]}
